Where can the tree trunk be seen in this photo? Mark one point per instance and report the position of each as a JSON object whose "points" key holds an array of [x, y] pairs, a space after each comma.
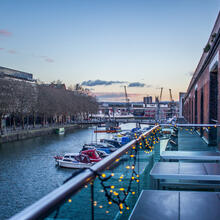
{"points": [[34, 120], [22, 119], [1, 130], [14, 124]]}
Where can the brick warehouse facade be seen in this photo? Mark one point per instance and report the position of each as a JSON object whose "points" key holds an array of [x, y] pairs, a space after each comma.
{"points": [[202, 100]]}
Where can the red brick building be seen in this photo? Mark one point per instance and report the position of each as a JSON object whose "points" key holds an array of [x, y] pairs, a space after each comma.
{"points": [[202, 100]]}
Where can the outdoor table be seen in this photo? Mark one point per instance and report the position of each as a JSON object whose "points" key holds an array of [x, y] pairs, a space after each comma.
{"points": [[175, 205], [185, 171], [191, 155]]}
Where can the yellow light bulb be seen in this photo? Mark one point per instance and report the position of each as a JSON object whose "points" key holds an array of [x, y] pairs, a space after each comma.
{"points": [[100, 206], [109, 202], [112, 187], [121, 189], [133, 193], [103, 175], [112, 174], [69, 200], [115, 193]]}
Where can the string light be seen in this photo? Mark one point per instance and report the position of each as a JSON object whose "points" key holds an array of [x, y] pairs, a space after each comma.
{"points": [[120, 197], [114, 196]]}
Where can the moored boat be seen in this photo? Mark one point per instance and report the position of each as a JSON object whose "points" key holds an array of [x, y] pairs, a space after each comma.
{"points": [[60, 131], [84, 159]]}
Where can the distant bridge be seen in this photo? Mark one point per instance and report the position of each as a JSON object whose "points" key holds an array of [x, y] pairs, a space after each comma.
{"points": [[104, 120]]}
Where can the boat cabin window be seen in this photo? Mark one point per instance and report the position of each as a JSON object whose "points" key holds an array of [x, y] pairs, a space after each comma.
{"points": [[68, 160]]}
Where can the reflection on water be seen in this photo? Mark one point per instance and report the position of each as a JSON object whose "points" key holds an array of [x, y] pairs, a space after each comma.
{"points": [[28, 171]]}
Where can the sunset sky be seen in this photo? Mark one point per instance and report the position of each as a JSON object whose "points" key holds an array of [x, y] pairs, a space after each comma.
{"points": [[106, 44]]}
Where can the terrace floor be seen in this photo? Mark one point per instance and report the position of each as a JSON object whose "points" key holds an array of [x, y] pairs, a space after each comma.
{"points": [[189, 140]]}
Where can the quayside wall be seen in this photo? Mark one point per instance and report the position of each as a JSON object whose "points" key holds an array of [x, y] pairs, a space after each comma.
{"points": [[30, 133]]}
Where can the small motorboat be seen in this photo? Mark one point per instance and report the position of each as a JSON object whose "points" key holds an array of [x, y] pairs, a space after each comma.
{"points": [[75, 161], [108, 148], [101, 153], [112, 142], [84, 159]]}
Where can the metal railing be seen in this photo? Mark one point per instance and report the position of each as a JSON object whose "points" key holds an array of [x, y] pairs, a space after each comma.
{"points": [[49, 203]]}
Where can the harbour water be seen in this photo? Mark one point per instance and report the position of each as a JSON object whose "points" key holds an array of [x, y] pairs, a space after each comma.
{"points": [[28, 171]]}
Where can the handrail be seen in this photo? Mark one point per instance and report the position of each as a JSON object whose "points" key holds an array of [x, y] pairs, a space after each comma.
{"points": [[192, 125], [43, 207]]}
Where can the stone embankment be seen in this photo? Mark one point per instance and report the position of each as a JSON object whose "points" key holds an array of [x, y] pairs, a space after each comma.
{"points": [[31, 133]]}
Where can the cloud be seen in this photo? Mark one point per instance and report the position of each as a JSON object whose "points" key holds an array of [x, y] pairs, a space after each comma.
{"points": [[110, 95], [118, 96], [12, 51], [100, 82], [49, 60], [136, 84], [2, 48], [5, 33]]}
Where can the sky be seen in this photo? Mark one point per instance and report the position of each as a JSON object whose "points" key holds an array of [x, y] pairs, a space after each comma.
{"points": [[107, 44]]}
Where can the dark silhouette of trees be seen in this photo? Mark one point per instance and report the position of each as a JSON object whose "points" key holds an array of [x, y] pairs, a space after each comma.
{"points": [[23, 103]]}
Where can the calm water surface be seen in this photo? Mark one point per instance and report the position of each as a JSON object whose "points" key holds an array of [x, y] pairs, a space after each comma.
{"points": [[28, 171]]}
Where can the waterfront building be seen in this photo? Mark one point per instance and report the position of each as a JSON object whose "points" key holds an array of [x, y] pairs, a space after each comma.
{"points": [[8, 73], [181, 102], [148, 100], [201, 102]]}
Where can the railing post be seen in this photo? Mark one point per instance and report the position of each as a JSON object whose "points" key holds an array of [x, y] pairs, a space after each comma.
{"points": [[92, 200], [138, 169]]}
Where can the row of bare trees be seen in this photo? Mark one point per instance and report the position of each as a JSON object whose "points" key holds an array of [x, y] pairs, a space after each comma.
{"points": [[29, 103]]}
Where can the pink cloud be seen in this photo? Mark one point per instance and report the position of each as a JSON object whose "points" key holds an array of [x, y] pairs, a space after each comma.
{"points": [[12, 51], [49, 60], [2, 48], [118, 96], [5, 33]]}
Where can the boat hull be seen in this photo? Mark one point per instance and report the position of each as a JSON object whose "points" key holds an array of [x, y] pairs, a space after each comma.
{"points": [[73, 165]]}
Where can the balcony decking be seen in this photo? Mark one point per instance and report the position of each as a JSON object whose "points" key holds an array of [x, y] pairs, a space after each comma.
{"points": [[188, 140]]}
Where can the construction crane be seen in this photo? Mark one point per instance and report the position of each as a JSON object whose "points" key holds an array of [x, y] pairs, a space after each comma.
{"points": [[161, 91], [171, 97], [171, 104], [127, 100]]}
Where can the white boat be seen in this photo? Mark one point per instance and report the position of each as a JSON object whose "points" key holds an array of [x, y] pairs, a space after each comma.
{"points": [[75, 161], [60, 131]]}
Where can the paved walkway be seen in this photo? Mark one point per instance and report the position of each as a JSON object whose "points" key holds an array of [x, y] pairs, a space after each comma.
{"points": [[189, 140]]}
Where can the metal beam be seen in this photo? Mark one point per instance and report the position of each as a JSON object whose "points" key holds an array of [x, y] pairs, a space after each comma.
{"points": [[45, 206]]}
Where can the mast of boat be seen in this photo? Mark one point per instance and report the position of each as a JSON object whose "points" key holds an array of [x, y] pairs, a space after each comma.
{"points": [[96, 135]]}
